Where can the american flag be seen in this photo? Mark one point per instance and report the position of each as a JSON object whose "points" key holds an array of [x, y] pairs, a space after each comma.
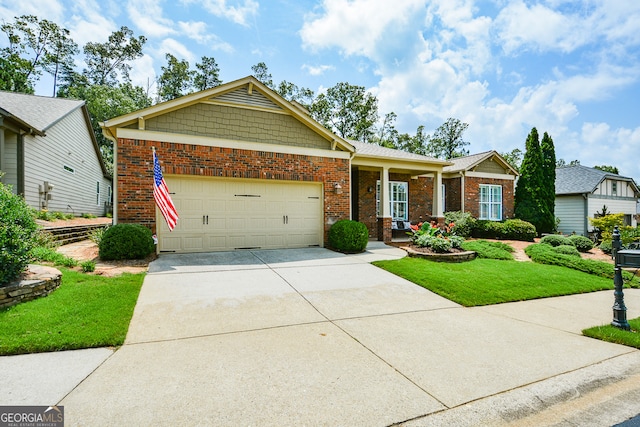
{"points": [[161, 194]]}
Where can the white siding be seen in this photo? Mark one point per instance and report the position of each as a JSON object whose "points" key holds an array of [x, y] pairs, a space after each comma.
{"points": [[67, 143], [627, 207], [570, 210]]}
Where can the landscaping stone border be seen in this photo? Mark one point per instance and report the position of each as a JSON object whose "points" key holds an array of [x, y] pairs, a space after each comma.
{"points": [[39, 282], [443, 257]]}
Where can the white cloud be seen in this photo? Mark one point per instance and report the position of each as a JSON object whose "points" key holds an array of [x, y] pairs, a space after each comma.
{"points": [[175, 48], [599, 144], [45, 9], [356, 26], [89, 24], [239, 13], [317, 70], [147, 16], [198, 31]]}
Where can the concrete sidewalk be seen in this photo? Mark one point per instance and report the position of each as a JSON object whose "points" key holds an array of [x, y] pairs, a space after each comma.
{"points": [[312, 337]]}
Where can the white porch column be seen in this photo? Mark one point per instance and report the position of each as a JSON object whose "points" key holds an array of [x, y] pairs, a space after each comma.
{"points": [[437, 195], [385, 208]]}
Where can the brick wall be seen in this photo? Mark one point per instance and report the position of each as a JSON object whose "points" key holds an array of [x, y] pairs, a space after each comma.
{"points": [[420, 199], [472, 195], [452, 194], [135, 185]]}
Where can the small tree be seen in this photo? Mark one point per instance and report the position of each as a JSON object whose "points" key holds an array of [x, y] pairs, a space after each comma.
{"points": [[527, 204], [548, 189], [17, 235]]}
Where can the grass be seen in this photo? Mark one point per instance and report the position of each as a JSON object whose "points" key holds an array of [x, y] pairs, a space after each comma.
{"points": [[489, 249], [86, 311], [489, 281], [618, 336]]}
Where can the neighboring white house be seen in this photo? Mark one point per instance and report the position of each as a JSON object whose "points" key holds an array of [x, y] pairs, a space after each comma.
{"points": [[582, 192], [49, 154]]}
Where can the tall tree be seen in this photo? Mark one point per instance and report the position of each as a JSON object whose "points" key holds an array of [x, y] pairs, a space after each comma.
{"points": [[513, 157], [175, 80], [108, 62], [548, 152], [347, 110], [527, 205], [13, 75], [447, 141], [207, 74], [36, 45], [607, 168], [261, 72], [291, 92]]}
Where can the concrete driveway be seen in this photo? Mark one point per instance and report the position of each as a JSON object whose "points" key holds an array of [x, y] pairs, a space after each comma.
{"points": [[313, 337]]}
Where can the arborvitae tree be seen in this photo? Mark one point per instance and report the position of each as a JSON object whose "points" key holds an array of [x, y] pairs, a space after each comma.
{"points": [[548, 151], [528, 205]]}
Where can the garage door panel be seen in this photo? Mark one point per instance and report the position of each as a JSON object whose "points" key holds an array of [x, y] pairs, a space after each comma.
{"points": [[242, 213]]}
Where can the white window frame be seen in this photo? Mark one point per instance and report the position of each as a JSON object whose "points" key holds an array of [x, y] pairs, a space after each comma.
{"points": [[399, 208], [490, 202]]}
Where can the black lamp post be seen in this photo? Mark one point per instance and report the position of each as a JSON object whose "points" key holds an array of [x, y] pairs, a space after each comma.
{"points": [[619, 309]]}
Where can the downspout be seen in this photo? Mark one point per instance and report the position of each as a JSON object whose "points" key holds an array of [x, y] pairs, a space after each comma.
{"points": [[107, 133], [462, 187], [585, 196]]}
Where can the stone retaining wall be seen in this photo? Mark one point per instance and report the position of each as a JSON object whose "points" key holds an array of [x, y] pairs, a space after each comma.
{"points": [[40, 282]]}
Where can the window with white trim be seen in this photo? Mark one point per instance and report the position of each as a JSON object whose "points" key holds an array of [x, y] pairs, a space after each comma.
{"points": [[398, 200], [491, 202], [98, 193]]}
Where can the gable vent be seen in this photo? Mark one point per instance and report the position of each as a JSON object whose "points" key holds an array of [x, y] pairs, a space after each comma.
{"points": [[241, 96]]}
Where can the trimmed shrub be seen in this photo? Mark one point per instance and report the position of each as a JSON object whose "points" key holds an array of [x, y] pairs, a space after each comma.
{"points": [[18, 231], [517, 229], [582, 244], [486, 229], [511, 229], [556, 240], [606, 246], [126, 241], [567, 250], [348, 236], [463, 222]]}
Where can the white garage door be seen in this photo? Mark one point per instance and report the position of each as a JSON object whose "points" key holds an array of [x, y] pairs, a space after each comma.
{"points": [[225, 214]]}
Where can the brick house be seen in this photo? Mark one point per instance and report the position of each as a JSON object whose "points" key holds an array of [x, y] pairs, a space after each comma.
{"points": [[248, 169], [482, 184]]}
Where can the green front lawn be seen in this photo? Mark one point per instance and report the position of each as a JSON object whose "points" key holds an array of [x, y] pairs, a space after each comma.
{"points": [[612, 334], [86, 311], [489, 281]]}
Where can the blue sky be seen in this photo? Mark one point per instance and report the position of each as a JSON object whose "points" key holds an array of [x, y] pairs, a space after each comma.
{"points": [[571, 68]]}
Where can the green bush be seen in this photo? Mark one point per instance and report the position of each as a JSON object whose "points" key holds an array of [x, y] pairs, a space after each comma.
{"points": [[517, 229], [582, 244], [18, 231], [489, 249], [96, 235], [88, 266], [486, 229], [511, 229], [606, 246], [463, 222], [126, 241], [567, 250], [456, 241], [545, 254], [44, 254], [555, 240], [348, 236]]}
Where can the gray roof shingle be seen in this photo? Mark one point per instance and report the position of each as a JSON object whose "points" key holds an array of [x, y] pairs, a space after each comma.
{"points": [[578, 179], [375, 150], [38, 112]]}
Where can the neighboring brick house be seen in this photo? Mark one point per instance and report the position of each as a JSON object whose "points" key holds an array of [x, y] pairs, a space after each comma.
{"points": [[482, 184]]}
